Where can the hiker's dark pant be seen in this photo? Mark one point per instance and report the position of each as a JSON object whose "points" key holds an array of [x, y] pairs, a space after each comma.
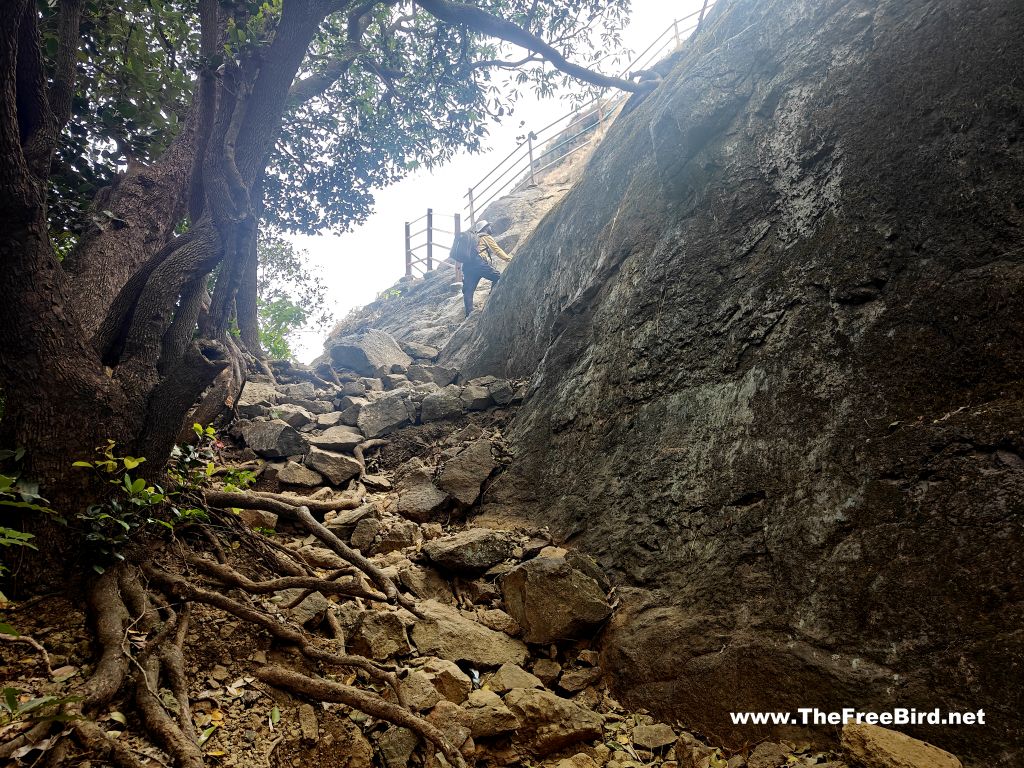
{"points": [[471, 274]]}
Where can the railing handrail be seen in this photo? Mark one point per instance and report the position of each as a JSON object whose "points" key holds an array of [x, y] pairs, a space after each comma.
{"points": [[594, 109], [673, 31]]}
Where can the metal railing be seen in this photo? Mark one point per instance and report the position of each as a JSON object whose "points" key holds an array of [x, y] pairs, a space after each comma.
{"points": [[539, 151], [546, 147], [426, 240]]}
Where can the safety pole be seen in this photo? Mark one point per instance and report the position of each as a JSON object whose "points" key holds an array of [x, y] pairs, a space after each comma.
{"points": [[472, 210], [408, 250], [458, 230], [430, 239], [529, 149], [675, 31]]}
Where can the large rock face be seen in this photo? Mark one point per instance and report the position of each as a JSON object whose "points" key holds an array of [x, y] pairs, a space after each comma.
{"points": [[775, 340]]}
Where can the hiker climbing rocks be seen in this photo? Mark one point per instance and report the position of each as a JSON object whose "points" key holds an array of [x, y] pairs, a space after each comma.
{"points": [[476, 252]]}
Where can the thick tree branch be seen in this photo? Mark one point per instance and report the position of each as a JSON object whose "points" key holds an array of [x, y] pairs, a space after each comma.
{"points": [[62, 89], [470, 16], [317, 84]]}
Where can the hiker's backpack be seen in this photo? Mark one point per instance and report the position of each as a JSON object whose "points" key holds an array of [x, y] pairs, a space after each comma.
{"points": [[464, 248]]}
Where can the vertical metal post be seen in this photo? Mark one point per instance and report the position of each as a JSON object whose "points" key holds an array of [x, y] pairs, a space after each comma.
{"points": [[408, 250], [703, 10], [430, 239], [529, 149], [472, 210], [675, 31], [458, 230]]}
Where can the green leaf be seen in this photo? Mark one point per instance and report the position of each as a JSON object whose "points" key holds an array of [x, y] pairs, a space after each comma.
{"points": [[275, 715], [7, 629], [138, 485], [131, 462], [205, 735], [11, 699], [83, 464]]}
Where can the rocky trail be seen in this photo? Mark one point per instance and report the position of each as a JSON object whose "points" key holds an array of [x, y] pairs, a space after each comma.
{"points": [[407, 622]]}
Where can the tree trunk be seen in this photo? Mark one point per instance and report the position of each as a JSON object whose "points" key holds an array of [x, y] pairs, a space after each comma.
{"points": [[148, 202]]}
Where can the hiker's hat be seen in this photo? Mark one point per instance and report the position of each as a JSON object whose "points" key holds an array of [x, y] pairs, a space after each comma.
{"points": [[482, 225]]}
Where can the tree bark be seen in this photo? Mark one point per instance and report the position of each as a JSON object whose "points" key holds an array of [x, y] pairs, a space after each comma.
{"points": [[148, 202]]}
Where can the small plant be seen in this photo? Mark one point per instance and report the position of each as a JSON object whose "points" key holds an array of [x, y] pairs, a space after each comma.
{"points": [[136, 505], [18, 706], [20, 494], [236, 480]]}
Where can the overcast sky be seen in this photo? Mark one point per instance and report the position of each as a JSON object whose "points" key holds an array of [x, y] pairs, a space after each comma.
{"points": [[361, 264]]}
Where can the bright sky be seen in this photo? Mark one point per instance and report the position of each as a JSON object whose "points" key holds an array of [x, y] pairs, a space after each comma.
{"points": [[361, 264]]}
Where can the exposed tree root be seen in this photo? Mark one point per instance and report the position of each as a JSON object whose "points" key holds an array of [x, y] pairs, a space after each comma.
{"points": [[328, 690], [301, 514], [253, 500], [309, 584], [141, 614], [361, 450], [181, 588], [35, 644]]}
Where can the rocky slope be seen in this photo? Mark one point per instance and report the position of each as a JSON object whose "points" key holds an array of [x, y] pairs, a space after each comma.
{"points": [[774, 343]]}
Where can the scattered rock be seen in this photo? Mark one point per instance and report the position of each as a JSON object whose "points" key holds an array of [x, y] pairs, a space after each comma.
{"points": [[471, 551], [511, 676], [547, 670], [294, 473], [499, 621], [371, 353], [451, 719], [575, 680], [450, 681], [769, 755], [445, 404], [549, 723], [293, 415], [552, 601], [380, 635], [581, 760], [255, 398], [308, 722], [384, 415], [418, 498], [418, 351], [446, 633], [427, 584], [336, 467], [331, 419], [345, 521], [419, 691], [652, 736], [399, 535], [871, 746], [310, 610], [257, 518], [339, 438], [273, 439], [502, 392], [475, 398], [396, 746], [463, 475], [488, 715], [352, 388], [303, 389], [365, 533]]}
